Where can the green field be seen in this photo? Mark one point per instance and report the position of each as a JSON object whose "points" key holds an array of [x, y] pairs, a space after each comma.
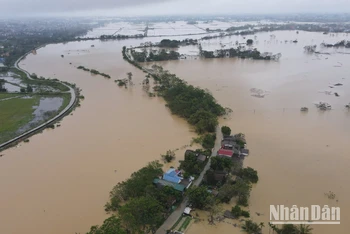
{"points": [[15, 113], [8, 95]]}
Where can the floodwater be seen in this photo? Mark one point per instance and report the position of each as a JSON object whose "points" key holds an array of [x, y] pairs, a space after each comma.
{"points": [[60, 181], [46, 108], [299, 156]]}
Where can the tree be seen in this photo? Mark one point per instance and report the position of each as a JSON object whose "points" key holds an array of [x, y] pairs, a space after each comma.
{"points": [[250, 42], [209, 141], [29, 89], [169, 156], [110, 225], [304, 229], [251, 228], [226, 131], [220, 163], [249, 174], [142, 214], [199, 197], [135, 186]]}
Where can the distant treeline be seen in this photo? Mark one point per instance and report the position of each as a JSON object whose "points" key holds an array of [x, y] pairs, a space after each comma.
{"points": [[162, 55], [176, 44], [120, 37], [232, 53], [93, 71], [249, 29], [342, 43]]}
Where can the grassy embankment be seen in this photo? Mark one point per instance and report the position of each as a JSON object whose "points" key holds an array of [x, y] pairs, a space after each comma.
{"points": [[17, 112]]}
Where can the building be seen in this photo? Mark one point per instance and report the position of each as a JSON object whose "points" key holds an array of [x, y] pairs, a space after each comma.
{"points": [[173, 175], [160, 183], [225, 153]]}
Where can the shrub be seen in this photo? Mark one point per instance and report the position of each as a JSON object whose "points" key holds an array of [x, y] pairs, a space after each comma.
{"points": [[226, 131], [209, 141]]}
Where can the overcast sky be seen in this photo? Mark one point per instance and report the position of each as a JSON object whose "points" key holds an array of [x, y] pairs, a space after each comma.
{"points": [[164, 7]]}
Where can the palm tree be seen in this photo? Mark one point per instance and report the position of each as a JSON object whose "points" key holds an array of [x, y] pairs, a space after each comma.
{"points": [[304, 229]]}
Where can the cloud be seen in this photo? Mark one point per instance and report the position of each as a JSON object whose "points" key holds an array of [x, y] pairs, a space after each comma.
{"points": [[47, 6], [164, 7]]}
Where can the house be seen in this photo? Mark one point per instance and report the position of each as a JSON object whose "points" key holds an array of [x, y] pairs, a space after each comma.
{"points": [[245, 152], [225, 153], [173, 175], [160, 183], [201, 158]]}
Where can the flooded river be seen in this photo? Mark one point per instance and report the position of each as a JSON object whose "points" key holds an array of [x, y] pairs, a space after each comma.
{"points": [[59, 182]]}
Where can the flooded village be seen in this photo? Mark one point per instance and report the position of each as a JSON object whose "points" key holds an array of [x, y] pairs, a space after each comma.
{"points": [[291, 107]]}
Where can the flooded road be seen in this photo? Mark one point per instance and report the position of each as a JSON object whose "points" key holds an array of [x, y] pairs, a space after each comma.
{"points": [[59, 182]]}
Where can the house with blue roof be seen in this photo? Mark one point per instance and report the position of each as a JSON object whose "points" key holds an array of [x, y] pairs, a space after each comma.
{"points": [[173, 175]]}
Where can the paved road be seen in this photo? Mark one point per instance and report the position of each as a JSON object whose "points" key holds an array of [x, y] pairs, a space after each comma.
{"points": [[61, 114], [179, 211]]}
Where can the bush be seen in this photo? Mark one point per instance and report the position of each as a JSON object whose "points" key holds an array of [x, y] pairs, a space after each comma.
{"points": [[209, 141], [250, 42], [249, 174], [226, 131], [238, 212], [169, 156]]}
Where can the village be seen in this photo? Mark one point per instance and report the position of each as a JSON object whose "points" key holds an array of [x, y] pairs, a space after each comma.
{"points": [[206, 171]]}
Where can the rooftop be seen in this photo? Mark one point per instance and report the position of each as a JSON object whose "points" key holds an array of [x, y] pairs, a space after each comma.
{"points": [[225, 152], [178, 187]]}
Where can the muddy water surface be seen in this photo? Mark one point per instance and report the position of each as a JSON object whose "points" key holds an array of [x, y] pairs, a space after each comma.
{"points": [[59, 182]]}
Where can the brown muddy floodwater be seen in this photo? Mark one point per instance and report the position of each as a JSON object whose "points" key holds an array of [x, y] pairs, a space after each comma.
{"points": [[59, 182]]}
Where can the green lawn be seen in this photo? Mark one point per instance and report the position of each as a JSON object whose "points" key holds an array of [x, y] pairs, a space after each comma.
{"points": [[8, 95], [15, 113]]}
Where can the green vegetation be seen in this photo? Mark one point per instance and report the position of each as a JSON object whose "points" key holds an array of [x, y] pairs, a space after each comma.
{"points": [[252, 228], [185, 224], [226, 131], [14, 114], [141, 206], [238, 212], [194, 104], [238, 52], [221, 163], [291, 229], [93, 71], [199, 197], [191, 165], [9, 95], [109, 226], [209, 140], [249, 174], [162, 55], [168, 156]]}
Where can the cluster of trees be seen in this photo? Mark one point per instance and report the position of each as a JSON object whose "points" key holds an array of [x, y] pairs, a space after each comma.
{"points": [[232, 53], [176, 44], [291, 229], [120, 37], [191, 165], [162, 55], [342, 43], [168, 156], [29, 89], [93, 71], [226, 131], [194, 104], [141, 206], [238, 212]]}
